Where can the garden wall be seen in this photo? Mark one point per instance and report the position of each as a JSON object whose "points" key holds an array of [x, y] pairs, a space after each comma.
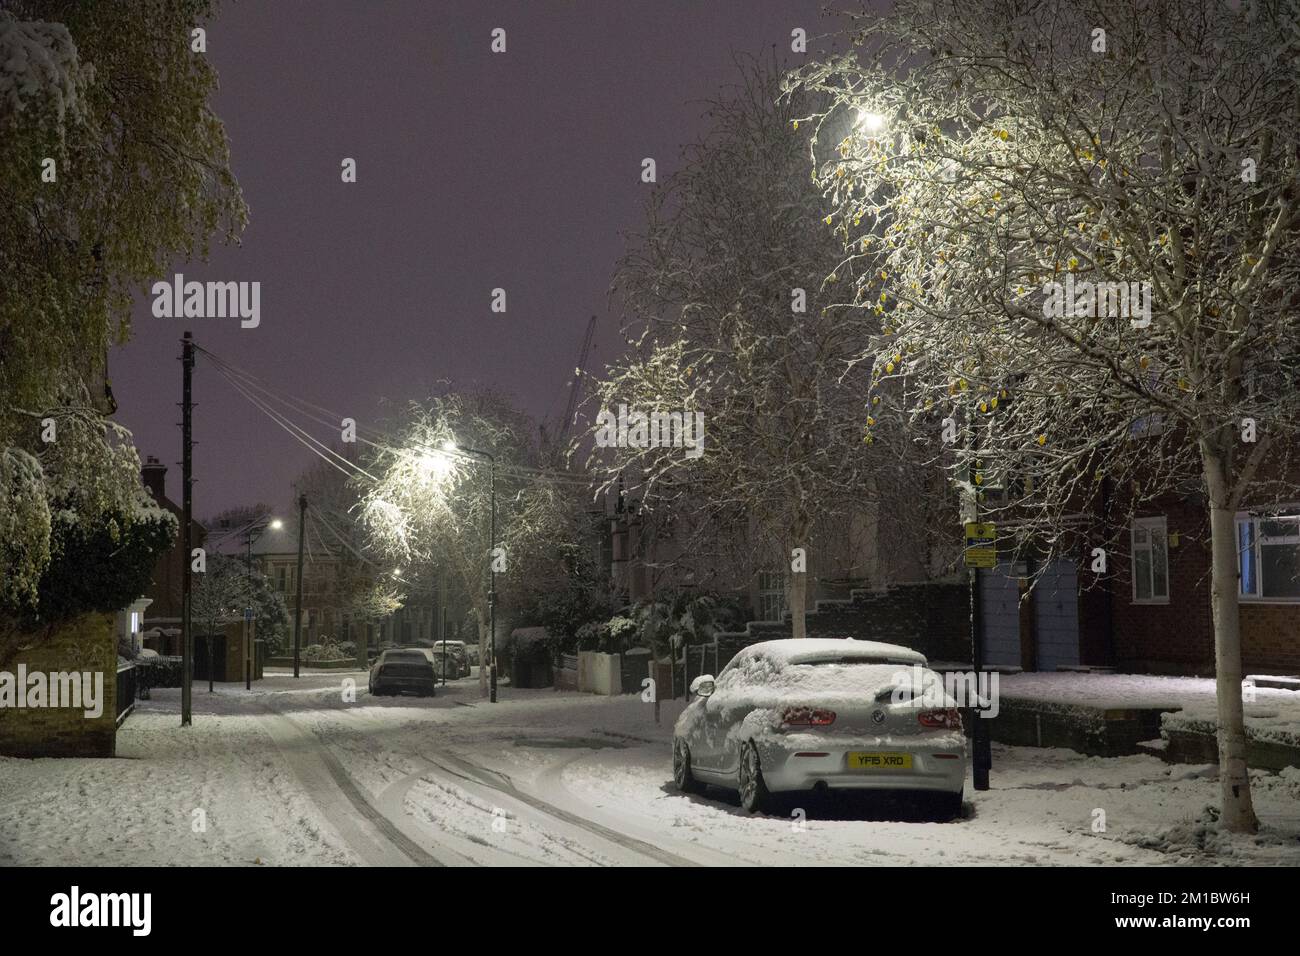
{"points": [[87, 644]]}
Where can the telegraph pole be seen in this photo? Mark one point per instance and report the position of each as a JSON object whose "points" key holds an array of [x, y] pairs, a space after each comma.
{"points": [[492, 580], [187, 520], [297, 614]]}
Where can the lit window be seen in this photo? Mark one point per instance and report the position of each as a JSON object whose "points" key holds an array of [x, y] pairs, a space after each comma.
{"points": [[1150, 561]]}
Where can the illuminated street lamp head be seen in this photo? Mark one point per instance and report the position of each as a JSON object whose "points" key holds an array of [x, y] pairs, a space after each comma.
{"points": [[432, 464], [277, 524], [397, 572], [870, 122]]}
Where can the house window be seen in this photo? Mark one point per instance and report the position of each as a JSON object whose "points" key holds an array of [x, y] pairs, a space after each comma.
{"points": [[771, 596], [1150, 561], [280, 578], [1268, 557]]}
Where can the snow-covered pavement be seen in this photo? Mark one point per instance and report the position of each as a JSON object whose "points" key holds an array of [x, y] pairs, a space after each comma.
{"points": [[296, 773]]}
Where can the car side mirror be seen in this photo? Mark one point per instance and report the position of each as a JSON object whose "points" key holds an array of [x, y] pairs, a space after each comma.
{"points": [[703, 686]]}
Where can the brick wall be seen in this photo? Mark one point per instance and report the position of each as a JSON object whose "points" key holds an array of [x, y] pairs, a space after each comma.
{"points": [[931, 617], [1178, 637], [1270, 638], [86, 644]]}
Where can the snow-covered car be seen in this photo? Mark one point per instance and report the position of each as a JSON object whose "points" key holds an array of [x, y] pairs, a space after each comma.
{"points": [[472, 653], [402, 669], [457, 662], [818, 714]]}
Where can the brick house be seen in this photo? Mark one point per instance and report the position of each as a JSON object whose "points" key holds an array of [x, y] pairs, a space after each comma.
{"points": [[162, 615], [875, 573], [1150, 612], [1161, 595]]}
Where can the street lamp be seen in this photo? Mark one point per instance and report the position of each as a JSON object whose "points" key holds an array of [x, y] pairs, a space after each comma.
{"points": [[255, 531], [452, 448], [870, 122]]}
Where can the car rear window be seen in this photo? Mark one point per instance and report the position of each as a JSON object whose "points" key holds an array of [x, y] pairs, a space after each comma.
{"points": [[406, 656], [851, 660]]}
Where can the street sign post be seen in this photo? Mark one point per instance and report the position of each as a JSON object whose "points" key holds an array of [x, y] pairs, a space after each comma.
{"points": [[981, 552], [981, 548]]}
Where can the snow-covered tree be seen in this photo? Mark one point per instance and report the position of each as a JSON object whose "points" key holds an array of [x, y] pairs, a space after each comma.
{"points": [[735, 301], [220, 595], [111, 164], [1088, 213], [429, 508]]}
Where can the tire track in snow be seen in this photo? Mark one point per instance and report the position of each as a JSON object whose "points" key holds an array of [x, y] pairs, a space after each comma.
{"points": [[573, 829], [374, 837]]}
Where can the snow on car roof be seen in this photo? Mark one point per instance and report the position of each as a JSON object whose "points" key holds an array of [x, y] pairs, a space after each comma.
{"points": [[804, 650]]}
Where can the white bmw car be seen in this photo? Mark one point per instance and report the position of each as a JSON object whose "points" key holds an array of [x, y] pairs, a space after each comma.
{"points": [[821, 714]]}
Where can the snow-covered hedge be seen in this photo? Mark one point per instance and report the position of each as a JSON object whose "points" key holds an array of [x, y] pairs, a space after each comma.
{"points": [[24, 528], [78, 533], [102, 566]]}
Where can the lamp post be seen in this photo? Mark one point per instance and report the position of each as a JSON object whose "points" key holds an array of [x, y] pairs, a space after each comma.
{"points": [[453, 448], [255, 531], [297, 612]]}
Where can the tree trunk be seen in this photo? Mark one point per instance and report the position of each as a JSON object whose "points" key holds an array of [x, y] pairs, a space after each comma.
{"points": [[799, 580], [1238, 813]]}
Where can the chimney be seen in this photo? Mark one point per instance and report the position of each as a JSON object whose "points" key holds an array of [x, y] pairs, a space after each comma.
{"points": [[154, 474]]}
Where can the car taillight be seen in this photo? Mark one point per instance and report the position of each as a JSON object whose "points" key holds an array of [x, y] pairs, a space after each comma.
{"points": [[807, 717], [948, 718]]}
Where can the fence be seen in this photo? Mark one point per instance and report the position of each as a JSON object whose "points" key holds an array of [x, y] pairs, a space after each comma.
{"points": [[126, 684], [700, 655]]}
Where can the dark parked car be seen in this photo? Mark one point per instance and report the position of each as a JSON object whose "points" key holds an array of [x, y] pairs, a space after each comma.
{"points": [[402, 669]]}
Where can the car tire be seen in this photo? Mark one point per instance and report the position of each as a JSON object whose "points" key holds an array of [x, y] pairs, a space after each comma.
{"points": [[948, 806], [682, 777], [754, 795]]}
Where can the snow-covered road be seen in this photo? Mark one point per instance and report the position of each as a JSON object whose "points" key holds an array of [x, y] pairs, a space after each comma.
{"points": [[295, 772]]}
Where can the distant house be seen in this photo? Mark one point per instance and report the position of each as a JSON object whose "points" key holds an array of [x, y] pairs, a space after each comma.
{"points": [[872, 547], [161, 624]]}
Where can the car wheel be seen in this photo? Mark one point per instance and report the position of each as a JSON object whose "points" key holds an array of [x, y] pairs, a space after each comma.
{"points": [[682, 776], [754, 795], [949, 806]]}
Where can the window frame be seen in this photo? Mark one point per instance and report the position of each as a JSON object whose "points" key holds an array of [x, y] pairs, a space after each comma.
{"points": [[1154, 523], [1255, 519], [781, 592]]}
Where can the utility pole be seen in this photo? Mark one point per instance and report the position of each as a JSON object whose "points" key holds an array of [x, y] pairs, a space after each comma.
{"points": [[492, 581], [454, 449], [442, 637], [248, 619], [297, 614], [187, 520]]}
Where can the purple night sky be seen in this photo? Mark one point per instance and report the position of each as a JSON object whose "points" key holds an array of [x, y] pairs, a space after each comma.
{"points": [[475, 170]]}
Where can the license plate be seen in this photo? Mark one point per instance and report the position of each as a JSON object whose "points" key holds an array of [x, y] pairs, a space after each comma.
{"points": [[862, 760]]}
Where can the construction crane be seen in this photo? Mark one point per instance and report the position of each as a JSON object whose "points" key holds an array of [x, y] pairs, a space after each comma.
{"points": [[575, 389]]}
